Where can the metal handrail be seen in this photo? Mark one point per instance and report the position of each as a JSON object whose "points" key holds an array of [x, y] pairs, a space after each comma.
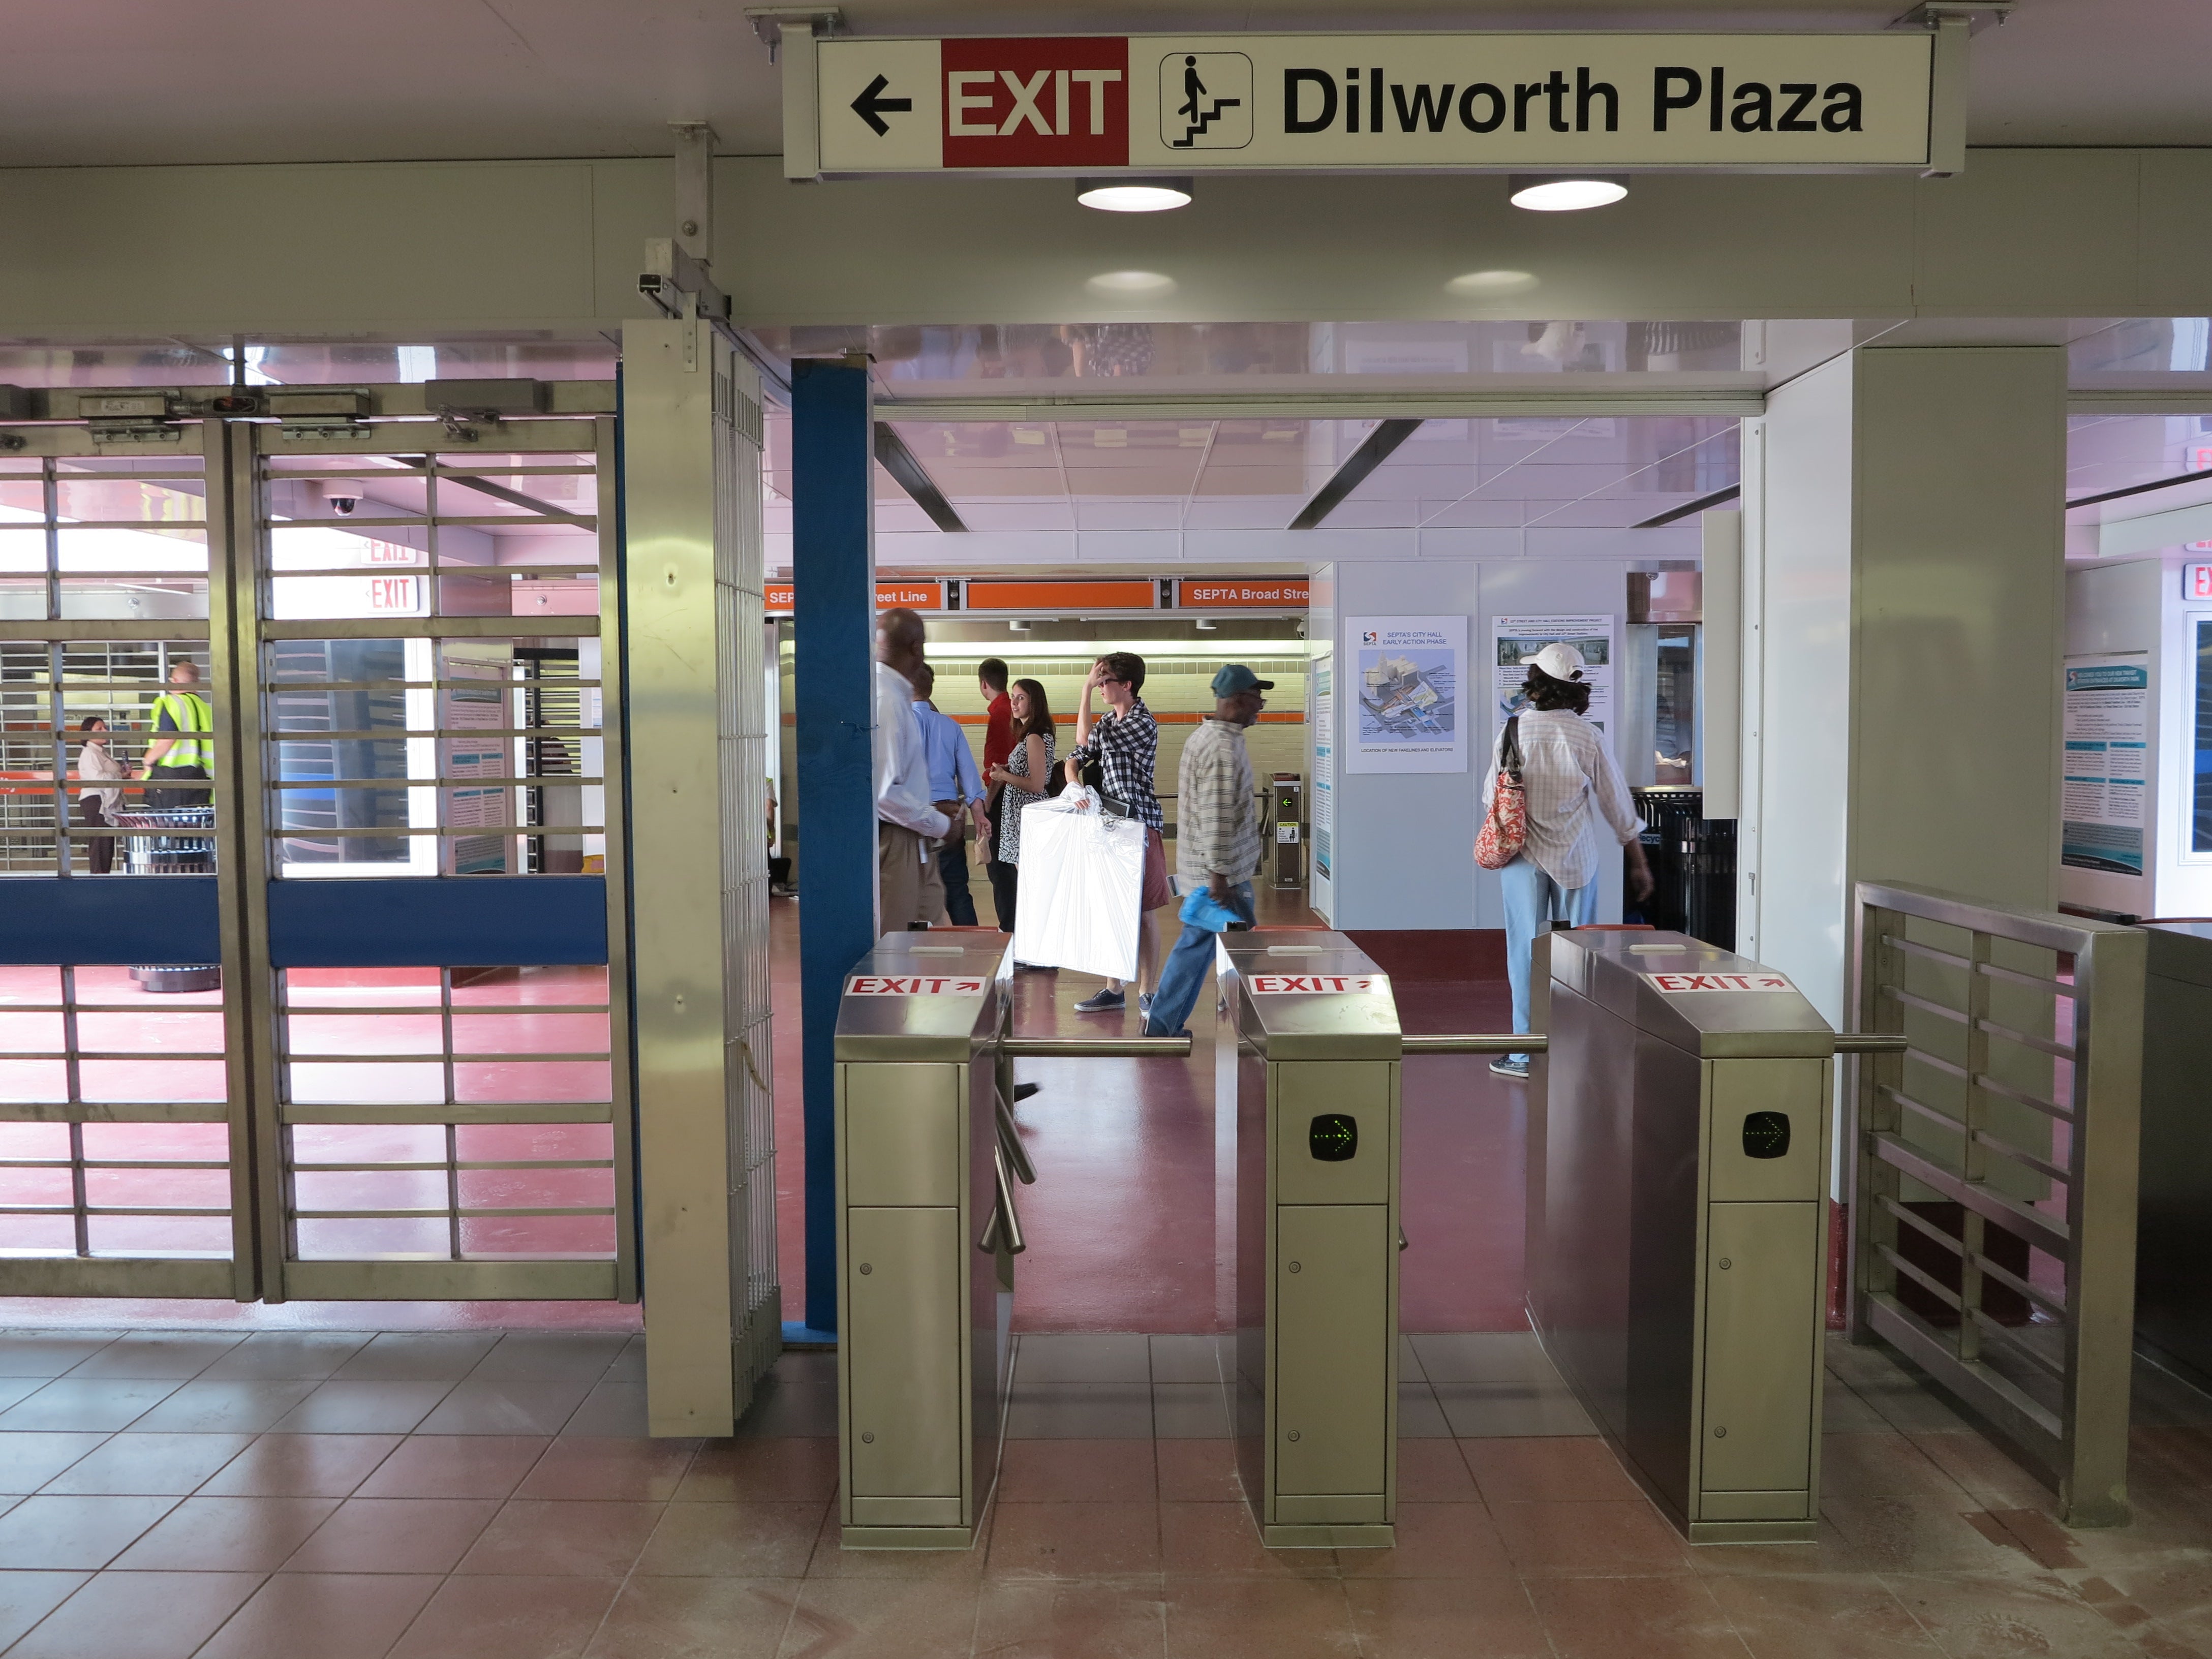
{"points": [[1976, 1142], [1139, 1048], [1477, 1042]]}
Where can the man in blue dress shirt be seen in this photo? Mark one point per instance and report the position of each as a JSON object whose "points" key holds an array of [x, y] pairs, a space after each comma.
{"points": [[954, 783]]}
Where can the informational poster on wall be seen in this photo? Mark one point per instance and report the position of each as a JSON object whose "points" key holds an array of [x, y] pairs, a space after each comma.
{"points": [[2107, 763], [1514, 640], [1320, 721], [1410, 716]]}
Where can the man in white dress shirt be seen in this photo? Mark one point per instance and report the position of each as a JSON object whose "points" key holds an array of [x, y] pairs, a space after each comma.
{"points": [[906, 821]]}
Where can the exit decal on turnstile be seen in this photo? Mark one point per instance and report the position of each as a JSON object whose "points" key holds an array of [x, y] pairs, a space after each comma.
{"points": [[916, 985], [1312, 985], [1676, 982]]}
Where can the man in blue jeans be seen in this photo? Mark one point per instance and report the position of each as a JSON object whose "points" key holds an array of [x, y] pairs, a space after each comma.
{"points": [[1217, 837]]}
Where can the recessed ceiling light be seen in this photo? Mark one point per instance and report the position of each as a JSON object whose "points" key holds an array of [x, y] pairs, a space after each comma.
{"points": [[1131, 281], [1133, 195], [1491, 281], [1566, 195]]}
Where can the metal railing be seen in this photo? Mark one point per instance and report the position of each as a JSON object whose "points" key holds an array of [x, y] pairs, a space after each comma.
{"points": [[1992, 1184]]}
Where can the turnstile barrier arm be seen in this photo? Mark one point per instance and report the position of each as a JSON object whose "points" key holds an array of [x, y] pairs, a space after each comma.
{"points": [[1477, 1042]]}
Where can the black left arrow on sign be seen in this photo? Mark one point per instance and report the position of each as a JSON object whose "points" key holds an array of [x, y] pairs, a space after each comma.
{"points": [[871, 106]]}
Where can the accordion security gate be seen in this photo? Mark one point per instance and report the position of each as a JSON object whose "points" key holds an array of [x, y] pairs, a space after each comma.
{"points": [[414, 1080]]}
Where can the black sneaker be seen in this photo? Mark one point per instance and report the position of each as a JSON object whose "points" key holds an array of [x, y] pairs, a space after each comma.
{"points": [[1104, 1002], [1510, 1066]]}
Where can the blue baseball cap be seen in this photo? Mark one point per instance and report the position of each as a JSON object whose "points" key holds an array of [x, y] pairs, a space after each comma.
{"points": [[1237, 678]]}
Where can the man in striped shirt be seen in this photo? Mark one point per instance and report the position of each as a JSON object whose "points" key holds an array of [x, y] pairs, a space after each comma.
{"points": [[1125, 742], [1216, 838]]}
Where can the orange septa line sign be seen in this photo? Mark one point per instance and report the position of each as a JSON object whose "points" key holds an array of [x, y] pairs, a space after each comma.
{"points": [[1219, 593], [914, 596], [1071, 598]]}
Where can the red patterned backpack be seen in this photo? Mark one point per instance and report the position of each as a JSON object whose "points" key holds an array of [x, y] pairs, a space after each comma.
{"points": [[1505, 830]]}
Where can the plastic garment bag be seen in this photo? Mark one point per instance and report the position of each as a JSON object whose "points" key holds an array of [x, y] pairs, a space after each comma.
{"points": [[1082, 870]]}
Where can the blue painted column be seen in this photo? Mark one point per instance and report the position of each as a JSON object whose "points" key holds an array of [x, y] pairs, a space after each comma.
{"points": [[833, 526]]}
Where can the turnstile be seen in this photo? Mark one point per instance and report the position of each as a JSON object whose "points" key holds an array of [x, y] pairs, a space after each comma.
{"points": [[1677, 1177], [2173, 1214], [1309, 1049], [924, 1236]]}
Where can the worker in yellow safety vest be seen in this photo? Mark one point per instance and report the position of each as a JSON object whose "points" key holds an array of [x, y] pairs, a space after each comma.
{"points": [[182, 751]]}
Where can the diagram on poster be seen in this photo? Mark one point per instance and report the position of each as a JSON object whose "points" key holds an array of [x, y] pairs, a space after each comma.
{"points": [[1409, 716], [2107, 764], [1514, 640]]}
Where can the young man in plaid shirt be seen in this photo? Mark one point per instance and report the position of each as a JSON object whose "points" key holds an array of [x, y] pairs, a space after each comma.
{"points": [[1125, 742]]}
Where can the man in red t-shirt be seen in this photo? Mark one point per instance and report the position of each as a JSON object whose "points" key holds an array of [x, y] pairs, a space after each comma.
{"points": [[998, 745]]}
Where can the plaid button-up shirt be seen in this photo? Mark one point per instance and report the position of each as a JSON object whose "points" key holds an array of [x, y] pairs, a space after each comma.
{"points": [[1126, 748]]}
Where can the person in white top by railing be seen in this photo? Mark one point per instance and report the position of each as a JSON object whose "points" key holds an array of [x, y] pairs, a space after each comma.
{"points": [[1572, 783]]}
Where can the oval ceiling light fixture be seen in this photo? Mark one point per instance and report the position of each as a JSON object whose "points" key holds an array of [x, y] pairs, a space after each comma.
{"points": [[1480, 282], [1133, 195], [1132, 282], [1566, 195]]}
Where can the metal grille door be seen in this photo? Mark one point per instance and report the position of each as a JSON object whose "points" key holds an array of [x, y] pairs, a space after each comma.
{"points": [[442, 875]]}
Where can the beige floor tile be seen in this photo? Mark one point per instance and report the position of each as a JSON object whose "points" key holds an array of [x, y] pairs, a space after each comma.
{"points": [[501, 1406], [207, 1406], [1228, 1619], [172, 1354], [1074, 1472], [138, 1615], [1073, 1540], [882, 1618], [1879, 1465], [1828, 1616], [786, 1471], [150, 1464], [342, 1407], [1550, 1469], [1085, 1357], [49, 1353], [302, 1465], [28, 1461], [395, 1534], [353, 1615], [732, 1540], [87, 1405], [228, 1534], [76, 1532], [1429, 1618], [1981, 1471], [831, 1559], [509, 1618], [1592, 1537], [279, 1355], [1222, 1541], [586, 1466], [610, 1408], [1070, 1620], [1197, 1471], [545, 1356], [418, 1357], [28, 1597], [1977, 1617], [455, 1466], [1436, 1540], [696, 1618], [1434, 1472], [579, 1538], [1915, 1532], [1647, 1618]]}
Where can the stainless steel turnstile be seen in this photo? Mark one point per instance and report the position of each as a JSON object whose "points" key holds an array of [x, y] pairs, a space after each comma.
{"points": [[2173, 1215], [1308, 1050], [928, 1163], [921, 1242], [1677, 1173]]}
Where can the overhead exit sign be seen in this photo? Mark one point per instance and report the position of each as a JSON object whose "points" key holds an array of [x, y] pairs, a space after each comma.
{"points": [[1318, 102]]}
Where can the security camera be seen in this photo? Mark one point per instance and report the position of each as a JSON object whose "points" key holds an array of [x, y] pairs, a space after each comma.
{"points": [[342, 494]]}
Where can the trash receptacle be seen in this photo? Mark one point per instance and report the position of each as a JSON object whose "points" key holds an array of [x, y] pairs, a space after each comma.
{"points": [[176, 841]]}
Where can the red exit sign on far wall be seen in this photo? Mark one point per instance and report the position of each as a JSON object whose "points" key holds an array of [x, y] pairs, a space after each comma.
{"points": [[2196, 581]]}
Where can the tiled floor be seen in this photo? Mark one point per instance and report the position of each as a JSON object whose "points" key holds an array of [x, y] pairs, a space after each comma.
{"points": [[194, 1495]]}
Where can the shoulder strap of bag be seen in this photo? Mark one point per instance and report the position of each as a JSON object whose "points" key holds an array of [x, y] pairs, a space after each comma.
{"points": [[1509, 753]]}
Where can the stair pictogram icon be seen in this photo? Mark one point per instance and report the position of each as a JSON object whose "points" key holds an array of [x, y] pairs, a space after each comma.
{"points": [[1202, 107]]}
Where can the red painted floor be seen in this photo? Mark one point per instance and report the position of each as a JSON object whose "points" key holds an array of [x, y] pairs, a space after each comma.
{"points": [[1124, 1226]]}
